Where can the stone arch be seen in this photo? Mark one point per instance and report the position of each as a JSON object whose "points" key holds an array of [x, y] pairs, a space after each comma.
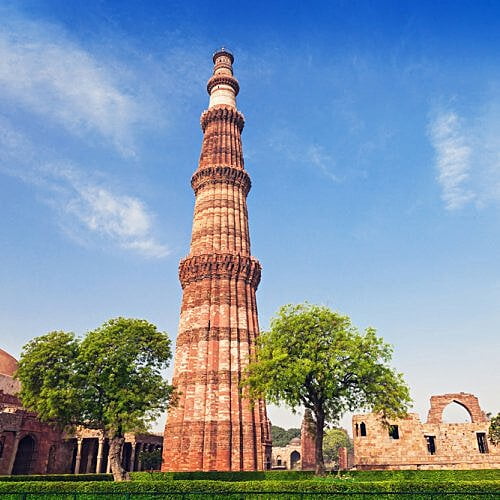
{"points": [[467, 401], [294, 459], [25, 455], [455, 412]]}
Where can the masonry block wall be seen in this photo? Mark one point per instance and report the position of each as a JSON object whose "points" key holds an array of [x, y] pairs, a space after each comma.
{"points": [[213, 427], [307, 441], [410, 444], [27, 446]]}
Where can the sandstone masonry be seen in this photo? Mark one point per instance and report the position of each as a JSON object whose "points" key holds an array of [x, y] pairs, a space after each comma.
{"points": [[213, 427], [410, 444]]}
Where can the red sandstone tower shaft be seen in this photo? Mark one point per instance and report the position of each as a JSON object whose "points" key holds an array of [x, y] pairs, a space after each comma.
{"points": [[213, 427]]}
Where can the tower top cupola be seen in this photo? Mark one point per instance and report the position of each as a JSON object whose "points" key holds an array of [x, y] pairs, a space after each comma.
{"points": [[222, 86], [222, 52]]}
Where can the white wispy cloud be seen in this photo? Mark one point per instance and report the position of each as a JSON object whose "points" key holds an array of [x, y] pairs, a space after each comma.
{"points": [[89, 210], [299, 151], [84, 96], [322, 160], [121, 219], [45, 72], [453, 158], [467, 154]]}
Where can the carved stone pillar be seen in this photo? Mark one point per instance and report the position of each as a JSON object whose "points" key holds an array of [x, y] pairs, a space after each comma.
{"points": [[132, 457], [14, 452], [100, 450], [138, 454], [108, 466], [78, 460]]}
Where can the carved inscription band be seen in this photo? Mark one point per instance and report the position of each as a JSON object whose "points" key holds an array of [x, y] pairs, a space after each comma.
{"points": [[227, 266], [196, 335], [222, 114], [217, 175], [223, 80]]}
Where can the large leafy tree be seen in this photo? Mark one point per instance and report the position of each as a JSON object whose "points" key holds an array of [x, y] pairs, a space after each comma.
{"points": [[316, 358], [494, 430], [333, 440], [110, 380], [281, 437]]}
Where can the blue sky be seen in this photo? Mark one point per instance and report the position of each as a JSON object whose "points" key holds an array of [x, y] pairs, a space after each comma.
{"points": [[372, 138]]}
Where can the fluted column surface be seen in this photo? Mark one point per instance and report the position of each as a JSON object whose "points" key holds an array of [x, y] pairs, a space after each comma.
{"points": [[213, 427]]}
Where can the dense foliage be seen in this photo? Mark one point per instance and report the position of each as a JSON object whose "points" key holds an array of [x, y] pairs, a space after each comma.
{"points": [[57, 477], [315, 358], [494, 430], [289, 489], [285, 475], [110, 380], [231, 476], [293, 475], [281, 437], [150, 460]]}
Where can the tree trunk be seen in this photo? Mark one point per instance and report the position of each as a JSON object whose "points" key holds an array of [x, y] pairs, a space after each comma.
{"points": [[320, 426], [115, 459]]}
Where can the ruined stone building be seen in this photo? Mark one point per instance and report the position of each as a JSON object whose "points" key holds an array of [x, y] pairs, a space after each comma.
{"points": [[410, 444], [28, 446], [287, 457], [213, 427], [299, 453]]}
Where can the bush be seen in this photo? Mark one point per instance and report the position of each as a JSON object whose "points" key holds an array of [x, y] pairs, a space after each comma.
{"points": [[425, 475], [376, 475], [236, 476], [58, 477], [207, 487]]}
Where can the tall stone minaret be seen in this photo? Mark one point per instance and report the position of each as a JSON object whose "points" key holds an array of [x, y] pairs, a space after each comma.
{"points": [[213, 427]]}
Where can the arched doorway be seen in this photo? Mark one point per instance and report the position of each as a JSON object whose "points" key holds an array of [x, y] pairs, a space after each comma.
{"points": [[294, 459], [24, 456]]}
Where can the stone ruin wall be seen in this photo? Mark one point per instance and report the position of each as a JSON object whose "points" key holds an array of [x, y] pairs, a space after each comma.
{"points": [[456, 444], [307, 442]]}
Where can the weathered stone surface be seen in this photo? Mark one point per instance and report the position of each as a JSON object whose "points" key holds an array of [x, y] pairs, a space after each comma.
{"points": [[8, 364], [307, 441], [213, 427], [455, 445]]}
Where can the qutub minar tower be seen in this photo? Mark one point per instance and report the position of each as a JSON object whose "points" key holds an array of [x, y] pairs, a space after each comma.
{"points": [[213, 427]]}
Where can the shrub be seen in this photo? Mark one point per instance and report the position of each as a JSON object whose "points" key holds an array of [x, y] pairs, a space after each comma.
{"points": [[236, 476], [376, 475], [208, 487], [426, 475], [57, 477]]}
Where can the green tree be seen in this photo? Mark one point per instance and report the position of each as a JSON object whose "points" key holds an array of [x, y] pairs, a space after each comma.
{"points": [[281, 437], [494, 430], [110, 380], [333, 440], [150, 460], [316, 358]]}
